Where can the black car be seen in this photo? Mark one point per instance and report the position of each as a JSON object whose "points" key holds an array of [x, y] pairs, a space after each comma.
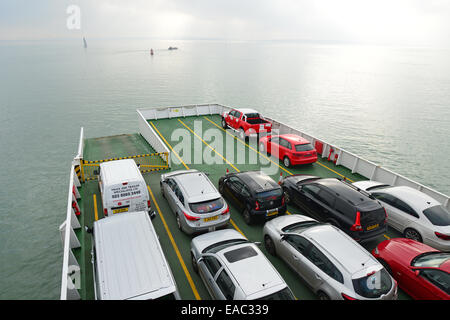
{"points": [[254, 193], [338, 202]]}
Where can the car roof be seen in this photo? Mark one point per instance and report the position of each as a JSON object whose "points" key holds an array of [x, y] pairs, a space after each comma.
{"points": [[337, 244], [255, 273], [130, 260], [119, 171], [196, 186], [247, 110], [344, 190], [257, 180], [413, 197], [294, 139]]}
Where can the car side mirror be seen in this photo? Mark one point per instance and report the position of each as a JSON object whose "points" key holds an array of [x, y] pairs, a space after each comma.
{"points": [[258, 243], [283, 237], [152, 214], [200, 260], [417, 272]]}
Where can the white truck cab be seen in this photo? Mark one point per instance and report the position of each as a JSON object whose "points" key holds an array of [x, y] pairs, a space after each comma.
{"points": [[123, 188]]}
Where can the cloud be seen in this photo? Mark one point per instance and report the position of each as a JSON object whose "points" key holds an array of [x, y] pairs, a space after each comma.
{"points": [[415, 22]]}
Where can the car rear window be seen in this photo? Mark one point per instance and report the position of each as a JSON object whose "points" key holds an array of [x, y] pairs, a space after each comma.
{"points": [[304, 147], [207, 206], [438, 215], [271, 193], [374, 285], [285, 294], [240, 254], [252, 115]]}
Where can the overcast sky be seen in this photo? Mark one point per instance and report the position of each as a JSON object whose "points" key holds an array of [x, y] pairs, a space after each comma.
{"points": [[404, 22]]}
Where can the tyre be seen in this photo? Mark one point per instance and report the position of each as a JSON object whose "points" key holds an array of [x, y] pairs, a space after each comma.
{"points": [[224, 124], [322, 296], [194, 263], [269, 245], [287, 162], [412, 234], [247, 217]]}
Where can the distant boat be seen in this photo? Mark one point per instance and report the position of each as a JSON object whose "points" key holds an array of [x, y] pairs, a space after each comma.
{"points": [[173, 48], [84, 42]]}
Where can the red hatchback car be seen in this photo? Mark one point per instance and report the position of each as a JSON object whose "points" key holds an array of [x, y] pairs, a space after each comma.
{"points": [[420, 270], [290, 148]]}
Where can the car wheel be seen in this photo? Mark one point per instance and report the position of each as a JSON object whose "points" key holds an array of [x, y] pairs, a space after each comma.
{"points": [[178, 222], [194, 263], [247, 217], [412, 234], [287, 197], [322, 296], [224, 123], [269, 245], [287, 162]]}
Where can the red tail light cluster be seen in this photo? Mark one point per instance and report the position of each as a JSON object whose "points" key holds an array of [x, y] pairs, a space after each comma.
{"points": [[346, 297], [226, 210], [357, 225], [105, 211], [442, 236], [190, 218], [386, 216], [257, 207], [283, 201], [148, 203]]}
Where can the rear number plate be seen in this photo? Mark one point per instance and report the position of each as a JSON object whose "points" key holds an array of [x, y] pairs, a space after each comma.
{"points": [[373, 227], [120, 210], [272, 213], [210, 219]]}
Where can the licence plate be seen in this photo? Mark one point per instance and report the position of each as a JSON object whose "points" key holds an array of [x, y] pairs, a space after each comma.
{"points": [[210, 219], [373, 227], [272, 213], [120, 210]]}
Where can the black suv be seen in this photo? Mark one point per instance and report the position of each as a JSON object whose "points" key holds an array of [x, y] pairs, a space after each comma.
{"points": [[254, 193], [338, 202]]}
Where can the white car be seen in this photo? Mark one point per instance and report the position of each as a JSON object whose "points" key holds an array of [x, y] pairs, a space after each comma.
{"points": [[413, 213]]}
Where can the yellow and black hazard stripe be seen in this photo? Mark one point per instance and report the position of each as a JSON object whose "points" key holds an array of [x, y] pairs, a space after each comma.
{"points": [[78, 171]]}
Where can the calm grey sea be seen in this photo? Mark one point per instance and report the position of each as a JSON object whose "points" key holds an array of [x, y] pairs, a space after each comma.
{"points": [[387, 104]]}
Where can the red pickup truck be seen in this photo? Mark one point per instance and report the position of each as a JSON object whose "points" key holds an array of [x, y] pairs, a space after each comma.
{"points": [[246, 122]]}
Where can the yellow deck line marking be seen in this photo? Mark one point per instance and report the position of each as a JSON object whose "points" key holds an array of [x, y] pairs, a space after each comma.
{"points": [[236, 227], [177, 251], [209, 146], [246, 144], [154, 127], [287, 171], [387, 237], [95, 207]]}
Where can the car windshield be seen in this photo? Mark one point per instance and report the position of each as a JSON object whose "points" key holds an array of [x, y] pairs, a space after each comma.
{"points": [[373, 285], [438, 215], [285, 294], [431, 259], [304, 147], [252, 115], [275, 193], [207, 206]]}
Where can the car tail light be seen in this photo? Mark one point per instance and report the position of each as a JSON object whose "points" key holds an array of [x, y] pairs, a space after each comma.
{"points": [[442, 236], [148, 203], [226, 210], [283, 201], [190, 218], [346, 297], [105, 211], [257, 205], [357, 226], [386, 215], [124, 183]]}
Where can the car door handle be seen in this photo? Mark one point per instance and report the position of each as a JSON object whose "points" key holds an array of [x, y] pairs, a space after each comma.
{"points": [[318, 277], [295, 257]]}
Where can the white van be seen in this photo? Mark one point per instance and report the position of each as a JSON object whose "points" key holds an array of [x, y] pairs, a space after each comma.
{"points": [[122, 187], [128, 260]]}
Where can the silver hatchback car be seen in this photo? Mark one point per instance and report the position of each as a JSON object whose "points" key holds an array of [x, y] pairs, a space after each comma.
{"points": [[234, 268], [195, 201], [334, 265]]}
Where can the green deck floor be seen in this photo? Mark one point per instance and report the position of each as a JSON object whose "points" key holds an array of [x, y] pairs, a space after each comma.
{"points": [[123, 145]]}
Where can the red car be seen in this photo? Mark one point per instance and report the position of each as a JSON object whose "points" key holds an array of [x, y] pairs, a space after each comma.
{"points": [[420, 270], [246, 122], [290, 148]]}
